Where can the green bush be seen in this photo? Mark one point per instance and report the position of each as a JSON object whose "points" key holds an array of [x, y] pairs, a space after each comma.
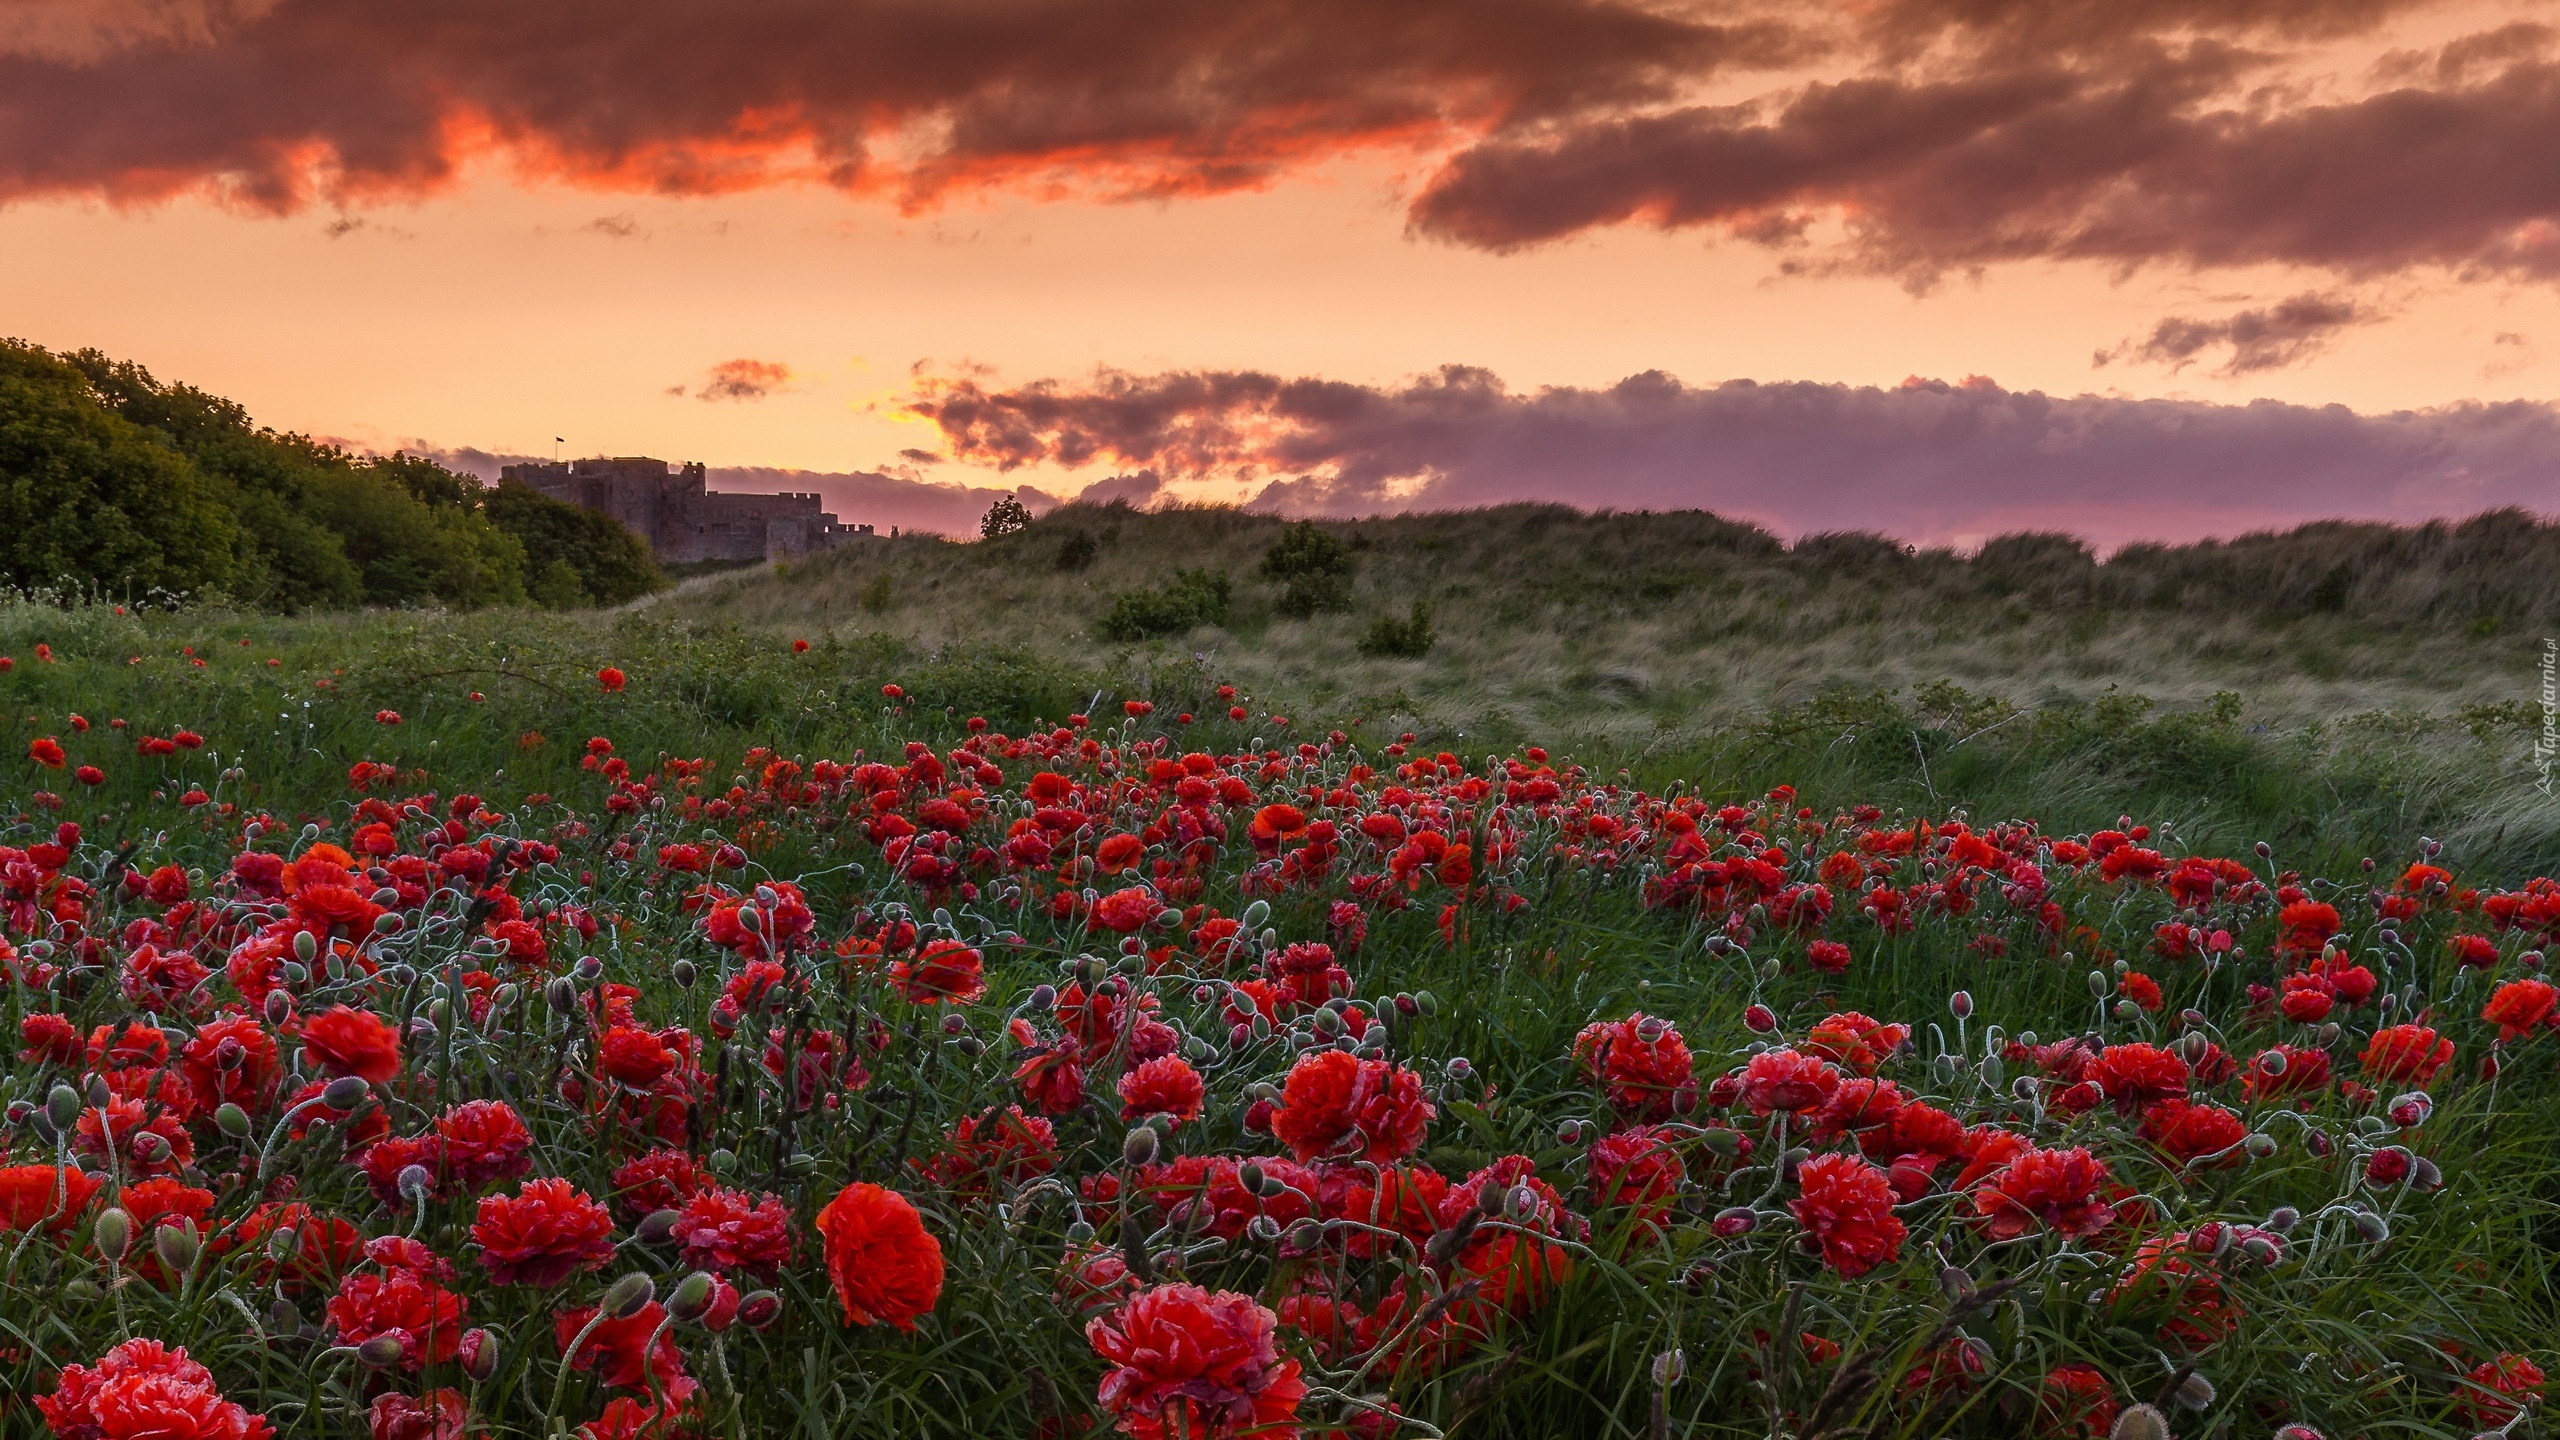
{"points": [[1407, 639], [1078, 552], [609, 564], [1314, 568], [1195, 597]]}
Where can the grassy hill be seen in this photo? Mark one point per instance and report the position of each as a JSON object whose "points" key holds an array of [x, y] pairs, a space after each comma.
{"points": [[1636, 626]]}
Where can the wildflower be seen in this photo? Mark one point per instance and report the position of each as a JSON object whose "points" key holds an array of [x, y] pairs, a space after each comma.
{"points": [[612, 679], [1331, 1098], [437, 1415], [546, 1232], [1846, 1209], [1166, 1085], [886, 1266], [483, 1141], [2136, 1075], [730, 1230], [147, 1391], [2189, 1133], [346, 1041], [634, 1351], [1196, 1364], [47, 752], [2495, 1389], [2057, 1190], [2519, 1007], [944, 972], [1642, 1066], [1855, 1042], [2075, 1402], [1786, 1080], [2405, 1054], [404, 1305]]}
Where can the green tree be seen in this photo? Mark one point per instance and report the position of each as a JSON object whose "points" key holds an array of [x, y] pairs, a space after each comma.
{"points": [[1005, 517], [1314, 568], [611, 564], [88, 497]]}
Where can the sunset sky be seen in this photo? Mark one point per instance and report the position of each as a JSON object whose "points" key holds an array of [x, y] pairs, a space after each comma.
{"points": [[2135, 268]]}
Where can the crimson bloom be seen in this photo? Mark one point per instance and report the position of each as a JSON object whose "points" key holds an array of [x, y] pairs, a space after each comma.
{"points": [[1333, 1102], [544, 1233], [944, 972], [2056, 1190], [1642, 1065], [886, 1266], [1846, 1208], [1166, 1085], [346, 1041], [730, 1230], [1195, 1364], [2405, 1054], [144, 1390]]}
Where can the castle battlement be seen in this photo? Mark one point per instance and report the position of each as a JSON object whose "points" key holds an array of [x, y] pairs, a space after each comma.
{"points": [[682, 518]]}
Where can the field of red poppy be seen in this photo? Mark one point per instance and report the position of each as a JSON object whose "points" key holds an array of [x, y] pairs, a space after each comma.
{"points": [[509, 1026]]}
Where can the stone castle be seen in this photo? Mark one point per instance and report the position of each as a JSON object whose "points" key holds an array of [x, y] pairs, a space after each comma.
{"points": [[682, 519]]}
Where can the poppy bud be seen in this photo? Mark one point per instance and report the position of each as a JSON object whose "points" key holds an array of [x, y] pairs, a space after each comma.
{"points": [[99, 1093], [1304, 1235], [1569, 1133], [589, 969], [2263, 1249], [1960, 1004], [1263, 1229], [722, 1161], [2299, 1432], [414, 1182], [1519, 1203], [1249, 1175], [2282, 1219], [1079, 1233], [1668, 1368], [2412, 1109], [279, 1007], [2372, 1227], [2425, 1176], [691, 1297], [62, 1107], [305, 947], [1760, 1018], [658, 1227], [84, 1290], [1736, 1220], [1140, 1147], [478, 1353], [382, 1352], [2098, 986], [2195, 1392], [2141, 1422], [627, 1296], [561, 994], [683, 973], [283, 1244], [2273, 1063], [2260, 1145], [1460, 1068], [177, 1246], [1428, 1003], [345, 1093], [112, 1233], [233, 1121]]}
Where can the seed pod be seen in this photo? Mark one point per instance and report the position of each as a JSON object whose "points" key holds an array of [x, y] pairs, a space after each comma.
{"points": [[627, 1296], [112, 1233]]}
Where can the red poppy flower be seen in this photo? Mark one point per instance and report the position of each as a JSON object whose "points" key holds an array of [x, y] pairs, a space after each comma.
{"points": [[90, 775], [886, 1266], [1855, 1042], [2518, 1008], [944, 972], [2188, 1133], [1191, 1363], [2495, 1389], [436, 1415], [730, 1230], [2057, 1190], [634, 1056], [404, 1304], [622, 1352], [1846, 1209], [1331, 1098], [542, 1234], [612, 679], [2405, 1055], [1166, 1085], [1786, 1080], [484, 1140], [145, 1390], [2075, 1402], [659, 1180], [2136, 1075], [1642, 1065], [346, 1041], [47, 752]]}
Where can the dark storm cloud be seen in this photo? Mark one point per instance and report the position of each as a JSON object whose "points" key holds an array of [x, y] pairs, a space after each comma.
{"points": [[2285, 333]]}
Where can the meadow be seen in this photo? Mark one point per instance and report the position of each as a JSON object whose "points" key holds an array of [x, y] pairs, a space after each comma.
{"points": [[765, 1011]]}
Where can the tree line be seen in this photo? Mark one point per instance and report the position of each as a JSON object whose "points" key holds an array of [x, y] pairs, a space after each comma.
{"points": [[113, 481]]}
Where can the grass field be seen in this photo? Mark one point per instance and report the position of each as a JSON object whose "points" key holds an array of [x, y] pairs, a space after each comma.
{"points": [[1643, 1217]]}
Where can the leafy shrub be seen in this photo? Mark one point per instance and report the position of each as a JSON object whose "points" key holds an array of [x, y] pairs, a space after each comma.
{"points": [[1078, 552], [1407, 639], [878, 594], [1314, 568], [1195, 597], [1004, 518]]}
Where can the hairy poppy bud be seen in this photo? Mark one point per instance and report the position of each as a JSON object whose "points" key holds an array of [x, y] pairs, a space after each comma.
{"points": [[233, 1121], [2259, 1145], [627, 1296], [722, 1161], [2098, 986], [279, 1007], [1960, 1004], [1079, 1233], [478, 1353], [561, 994], [2372, 1227], [1263, 1229], [1760, 1019], [62, 1107], [1460, 1068], [382, 1352], [113, 1232], [1569, 1133], [658, 1227], [305, 947], [691, 1297], [283, 1244], [2282, 1219], [2141, 1422], [345, 1093], [1428, 1003], [2299, 1432], [2412, 1109], [1736, 1220], [1140, 1147], [414, 1182], [177, 1246], [683, 973], [760, 1309], [2195, 1392], [1249, 1175], [1669, 1368]]}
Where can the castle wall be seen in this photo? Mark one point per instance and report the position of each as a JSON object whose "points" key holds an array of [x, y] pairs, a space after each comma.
{"points": [[682, 518]]}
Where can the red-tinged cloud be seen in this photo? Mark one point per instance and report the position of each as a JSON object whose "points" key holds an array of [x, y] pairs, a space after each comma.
{"points": [[1927, 461], [277, 103], [743, 380], [2285, 333], [2186, 154]]}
